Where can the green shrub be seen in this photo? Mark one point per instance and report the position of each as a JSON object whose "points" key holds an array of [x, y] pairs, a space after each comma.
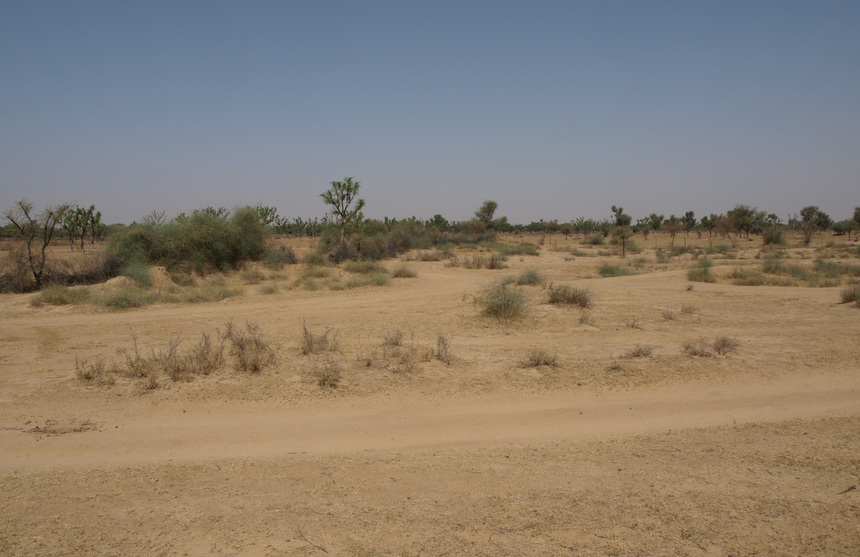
{"points": [[530, 277], [402, 271], [503, 302], [773, 237], [607, 270], [278, 257], [126, 298], [138, 271], [203, 242], [364, 267], [701, 271]]}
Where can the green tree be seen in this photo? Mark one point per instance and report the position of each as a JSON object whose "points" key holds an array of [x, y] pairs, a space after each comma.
{"points": [[486, 212], [37, 232], [745, 218], [620, 218], [345, 208], [688, 222], [813, 219], [655, 221]]}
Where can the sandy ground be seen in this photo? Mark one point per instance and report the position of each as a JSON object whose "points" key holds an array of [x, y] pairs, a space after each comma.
{"points": [[756, 452]]}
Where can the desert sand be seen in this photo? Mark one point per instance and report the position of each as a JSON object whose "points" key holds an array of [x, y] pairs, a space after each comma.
{"points": [[754, 452]]}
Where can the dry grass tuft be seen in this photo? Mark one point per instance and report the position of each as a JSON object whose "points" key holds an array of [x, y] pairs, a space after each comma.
{"points": [[640, 351], [724, 345], [443, 349], [327, 371], [539, 357], [697, 347], [312, 342]]}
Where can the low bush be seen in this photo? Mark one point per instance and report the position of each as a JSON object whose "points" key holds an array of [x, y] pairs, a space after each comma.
{"points": [[607, 270], [530, 277], [57, 295], [276, 258], [851, 294], [249, 347], [327, 371], [723, 345], [311, 342], [443, 349], [365, 267], [640, 351], [539, 357], [570, 295], [503, 302], [478, 261], [698, 347], [402, 271], [701, 271]]}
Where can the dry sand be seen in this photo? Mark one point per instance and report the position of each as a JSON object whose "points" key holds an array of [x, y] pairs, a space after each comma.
{"points": [[756, 452]]}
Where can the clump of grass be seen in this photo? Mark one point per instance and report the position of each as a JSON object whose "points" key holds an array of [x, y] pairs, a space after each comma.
{"points": [[502, 302], [701, 271], [249, 347], [607, 270], [443, 349], [402, 271], [539, 357], [478, 261], [586, 319], [58, 295], [851, 294], [96, 372], [137, 271], [252, 276], [689, 309], [530, 277], [633, 323], [364, 267], [427, 255], [570, 295], [522, 248], [596, 240], [126, 297], [640, 351], [311, 342], [668, 314], [209, 292], [723, 345], [270, 288], [697, 347]]}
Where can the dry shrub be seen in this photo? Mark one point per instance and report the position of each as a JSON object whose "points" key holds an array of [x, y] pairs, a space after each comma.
{"points": [[851, 294], [250, 349], [640, 351], [570, 295], [689, 309], [633, 323], [402, 271], [443, 349], [586, 319], [724, 345], [393, 338], [668, 314], [96, 372], [312, 342], [697, 347], [539, 357], [477, 261], [327, 371]]}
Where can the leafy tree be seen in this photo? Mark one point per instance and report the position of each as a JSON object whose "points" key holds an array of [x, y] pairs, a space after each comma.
{"points": [[340, 198], [688, 222], [73, 226], [813, 219], [655, 221], [846, 226], [857, 216], [486, 212], [622, 233], [620, 218], [672, 225], [745, 218], [37, 232], [709, 223], [267, 214]]}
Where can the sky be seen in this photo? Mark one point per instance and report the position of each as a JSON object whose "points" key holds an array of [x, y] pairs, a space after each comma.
{"points": [[555, 110]]}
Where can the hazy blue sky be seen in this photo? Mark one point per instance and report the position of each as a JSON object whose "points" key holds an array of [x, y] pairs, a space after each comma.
{"points": [[552, 109]]}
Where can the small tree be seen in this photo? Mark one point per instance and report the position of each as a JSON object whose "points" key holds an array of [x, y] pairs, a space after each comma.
{"points": [[486, 212], [655, 221], [688, 221], [37, 232], [340, 197], [813, 219]]}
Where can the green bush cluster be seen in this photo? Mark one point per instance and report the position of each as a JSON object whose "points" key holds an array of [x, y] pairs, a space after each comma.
{"points": [[202, 242]]}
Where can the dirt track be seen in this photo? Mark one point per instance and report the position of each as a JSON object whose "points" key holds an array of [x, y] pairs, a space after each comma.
{"points": [[755, 452]]}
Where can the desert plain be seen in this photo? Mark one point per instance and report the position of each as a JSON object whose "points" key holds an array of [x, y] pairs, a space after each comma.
{"points": [[632, 442]]}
